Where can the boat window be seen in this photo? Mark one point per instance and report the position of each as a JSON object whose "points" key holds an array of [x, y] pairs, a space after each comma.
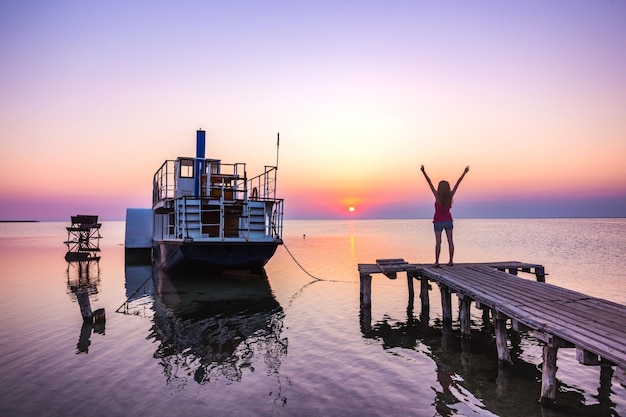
{"points": [[186, 168]]}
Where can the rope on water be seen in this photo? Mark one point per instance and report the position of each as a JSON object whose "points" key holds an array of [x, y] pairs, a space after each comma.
{"points": [[315, 279], [308, 273], [133, 294], [301, 267]]}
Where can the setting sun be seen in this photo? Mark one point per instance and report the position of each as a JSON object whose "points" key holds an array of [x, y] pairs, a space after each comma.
{"points": [[351, 209]]}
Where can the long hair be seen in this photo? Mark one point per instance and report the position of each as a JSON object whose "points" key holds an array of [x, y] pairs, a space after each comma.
{"points": [[444, 194]]}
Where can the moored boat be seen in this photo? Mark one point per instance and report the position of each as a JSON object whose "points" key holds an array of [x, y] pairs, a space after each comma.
{"points": [[207, 213]]}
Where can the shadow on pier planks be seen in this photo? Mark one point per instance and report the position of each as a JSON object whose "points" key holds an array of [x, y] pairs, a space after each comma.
{"points": [[558, 317]]}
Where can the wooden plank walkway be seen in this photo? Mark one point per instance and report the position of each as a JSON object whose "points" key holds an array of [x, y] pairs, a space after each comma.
{"points": [[557, 316]]}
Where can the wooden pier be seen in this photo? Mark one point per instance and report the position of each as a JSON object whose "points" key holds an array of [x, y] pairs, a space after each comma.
{"points": [[558, 317]]}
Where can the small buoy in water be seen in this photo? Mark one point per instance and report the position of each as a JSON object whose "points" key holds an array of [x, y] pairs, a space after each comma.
{"points": [[303, 236]]}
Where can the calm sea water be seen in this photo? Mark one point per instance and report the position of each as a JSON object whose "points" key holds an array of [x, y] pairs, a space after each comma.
{"points": [[289, 343]]}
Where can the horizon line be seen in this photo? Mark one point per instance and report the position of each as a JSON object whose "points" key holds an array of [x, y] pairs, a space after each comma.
{"points": [[370, 218]]}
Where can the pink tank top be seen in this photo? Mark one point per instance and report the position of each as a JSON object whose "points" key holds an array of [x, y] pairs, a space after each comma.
{"points": [[442, 213]]}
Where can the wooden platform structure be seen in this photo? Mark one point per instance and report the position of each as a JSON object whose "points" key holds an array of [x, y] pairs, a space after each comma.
{"points": [[558, 317], [83, 238]]}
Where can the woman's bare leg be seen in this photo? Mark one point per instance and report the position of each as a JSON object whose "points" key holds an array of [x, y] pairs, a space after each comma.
{"points": [[437, 246], [450, 246]]}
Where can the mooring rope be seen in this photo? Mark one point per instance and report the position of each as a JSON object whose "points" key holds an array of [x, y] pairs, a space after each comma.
{"points": [[133, 294], [315, 279], [301, 267], [308, 273]]}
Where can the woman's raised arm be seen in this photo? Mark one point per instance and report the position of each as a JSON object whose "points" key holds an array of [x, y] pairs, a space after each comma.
{"points": [[460, 179], [432, 188]]}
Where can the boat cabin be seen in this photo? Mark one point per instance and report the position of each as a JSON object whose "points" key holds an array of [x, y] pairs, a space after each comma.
{"points": [[206, 198]]}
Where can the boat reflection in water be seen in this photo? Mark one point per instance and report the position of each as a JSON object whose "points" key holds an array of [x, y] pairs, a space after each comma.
{"points": [[214, 328]]}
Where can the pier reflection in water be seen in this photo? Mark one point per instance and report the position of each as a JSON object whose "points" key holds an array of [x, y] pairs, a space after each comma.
{"points": [[210, 326], [468, 371]]}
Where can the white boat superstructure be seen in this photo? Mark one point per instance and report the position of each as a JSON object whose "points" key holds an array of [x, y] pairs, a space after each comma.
{"points": [[209, 213]]}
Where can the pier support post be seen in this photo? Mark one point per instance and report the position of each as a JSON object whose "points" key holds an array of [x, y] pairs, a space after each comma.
{"points": [[486, 316], [366, 303], [365, 319], [502, 380], [504, 356], [548, 375], [540, 273], [516, 339], [446, 303], [424, 293], [410, 275], [424, 286], [366, 289], [464, 316], [604, 390]]}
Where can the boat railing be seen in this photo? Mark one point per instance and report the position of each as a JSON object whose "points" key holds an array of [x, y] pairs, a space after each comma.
{"points": [[226, 181], [164, 185], [215, 180], [228, 205], [210, 218], [263, 186]]}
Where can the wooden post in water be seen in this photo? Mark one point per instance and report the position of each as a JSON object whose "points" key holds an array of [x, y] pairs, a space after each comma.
{"points": [[446, 303], [504, 356], [540, 273], [365, 319], [82, 297], [464, 316], [548, 375], [502, 380], [366, 303], [516, 338], [410, 276], [605, 389], [366, 289], [548, 370], [424, 286], [486, 316]]}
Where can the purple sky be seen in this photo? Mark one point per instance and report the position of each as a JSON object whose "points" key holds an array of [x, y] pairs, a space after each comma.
{"points": [[531, 95]]}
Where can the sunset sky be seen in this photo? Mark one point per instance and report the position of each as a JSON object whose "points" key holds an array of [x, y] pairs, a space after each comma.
{"points": [[94, 96]]}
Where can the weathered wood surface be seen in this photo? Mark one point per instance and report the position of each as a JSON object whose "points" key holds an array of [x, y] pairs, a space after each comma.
{"points": [[383, 266], [594, 326], [557, 316], [591, 324]]}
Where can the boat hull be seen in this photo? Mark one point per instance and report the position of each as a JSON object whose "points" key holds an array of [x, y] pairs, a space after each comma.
{"points": [[176, 254]]}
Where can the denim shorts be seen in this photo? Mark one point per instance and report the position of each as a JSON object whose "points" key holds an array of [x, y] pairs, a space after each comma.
{"points": [[439, 226]]}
